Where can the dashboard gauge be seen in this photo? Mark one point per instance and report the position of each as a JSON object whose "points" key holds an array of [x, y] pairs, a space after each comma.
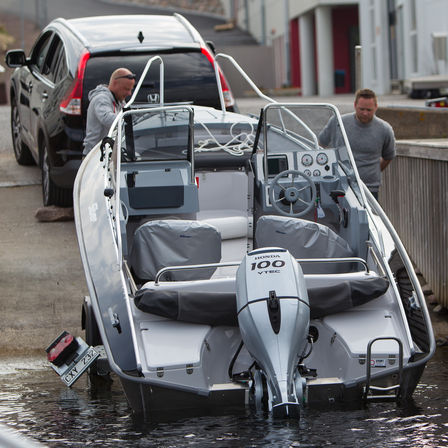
{"points": [[308, 173], [316, 173], [307, 160], [322, 158]]}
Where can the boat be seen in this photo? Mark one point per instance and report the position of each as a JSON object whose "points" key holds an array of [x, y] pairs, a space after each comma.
{"points": [[235, 261]]}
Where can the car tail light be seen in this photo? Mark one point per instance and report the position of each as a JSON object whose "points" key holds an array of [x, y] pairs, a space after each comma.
{"points": [[71, 104], [229, 101], [437, 102], [61, 348]]}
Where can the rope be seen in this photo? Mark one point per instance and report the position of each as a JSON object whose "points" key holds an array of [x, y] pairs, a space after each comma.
{"points": [[245, 141]]}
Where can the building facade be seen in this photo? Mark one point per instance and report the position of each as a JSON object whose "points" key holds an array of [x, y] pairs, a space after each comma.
{"points": [[402, 40], [314, 41]]}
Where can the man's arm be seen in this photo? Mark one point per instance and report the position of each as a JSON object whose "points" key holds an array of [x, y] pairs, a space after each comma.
{"points": [[384, 163], [105, 111], [388, 152]]}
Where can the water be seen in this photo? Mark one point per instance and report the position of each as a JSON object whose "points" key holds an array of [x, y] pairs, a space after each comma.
{"points": [[34, 401]]}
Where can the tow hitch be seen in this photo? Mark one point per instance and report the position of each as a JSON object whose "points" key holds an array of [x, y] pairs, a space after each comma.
{"points": [[70, 357]]}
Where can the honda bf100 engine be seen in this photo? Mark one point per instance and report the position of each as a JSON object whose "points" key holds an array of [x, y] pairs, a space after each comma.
{"points": [[274, 316]]}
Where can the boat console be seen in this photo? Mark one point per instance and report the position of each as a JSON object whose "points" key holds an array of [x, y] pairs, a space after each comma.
{"points": [[298, 177]]}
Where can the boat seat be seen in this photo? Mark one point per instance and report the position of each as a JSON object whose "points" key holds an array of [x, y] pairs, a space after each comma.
{"points": [[213, 302], [304, 239], [174, 242], [230, 223], [223, 202]]}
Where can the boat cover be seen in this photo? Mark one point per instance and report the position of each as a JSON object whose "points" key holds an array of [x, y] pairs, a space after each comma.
{"points": [[219, 308], [174, 242], [303, 239]]}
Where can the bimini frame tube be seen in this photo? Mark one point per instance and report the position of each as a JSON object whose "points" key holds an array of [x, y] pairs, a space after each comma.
{"points": [[143, 76], [243, 74]]}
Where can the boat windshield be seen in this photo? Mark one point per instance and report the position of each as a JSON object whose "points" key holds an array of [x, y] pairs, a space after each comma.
{"points": [[172, 133], [315, 132], [155, 135]]}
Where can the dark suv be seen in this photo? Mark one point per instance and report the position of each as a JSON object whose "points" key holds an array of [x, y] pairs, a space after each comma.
{"points": [[49, 89]]}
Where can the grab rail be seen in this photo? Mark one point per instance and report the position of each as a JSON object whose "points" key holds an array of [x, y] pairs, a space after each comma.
{"points": [[410, 271], [166, 269], [396, 387], [335, 260], [192, 266]]}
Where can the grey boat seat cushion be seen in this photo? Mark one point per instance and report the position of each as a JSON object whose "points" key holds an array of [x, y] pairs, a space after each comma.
{"points": [[174, 242], [304, 239]]}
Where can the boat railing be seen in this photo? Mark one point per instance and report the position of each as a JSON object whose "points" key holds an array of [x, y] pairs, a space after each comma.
{"points": [[373, 392], [143, 76], [166, 269], [243, 74], [260, 94], [411, 273]]}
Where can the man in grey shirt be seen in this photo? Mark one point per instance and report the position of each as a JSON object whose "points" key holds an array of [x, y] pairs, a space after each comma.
{"points": [[371, 139], [105, 103]]}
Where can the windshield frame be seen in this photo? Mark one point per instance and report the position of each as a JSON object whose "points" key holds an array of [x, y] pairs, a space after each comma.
{"points": [[350, 171]]}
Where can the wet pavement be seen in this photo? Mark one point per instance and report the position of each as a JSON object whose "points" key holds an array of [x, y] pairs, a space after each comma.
{"points": [[41, 276]]}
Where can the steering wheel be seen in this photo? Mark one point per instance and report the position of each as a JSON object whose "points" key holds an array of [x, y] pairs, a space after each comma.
{"points": [[289, 195]]}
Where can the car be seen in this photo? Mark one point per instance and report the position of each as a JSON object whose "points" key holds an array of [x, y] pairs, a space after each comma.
{"points": [[49, 89]]}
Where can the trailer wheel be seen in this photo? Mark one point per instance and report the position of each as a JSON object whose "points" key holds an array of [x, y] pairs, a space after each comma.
{"points": [[92, 333]]}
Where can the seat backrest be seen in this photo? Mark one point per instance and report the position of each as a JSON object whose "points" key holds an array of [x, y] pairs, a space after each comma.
{"points": [[303, 239], [174, 242]]}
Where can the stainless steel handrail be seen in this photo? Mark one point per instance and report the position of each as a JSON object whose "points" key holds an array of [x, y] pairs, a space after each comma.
{"points": [[192, 266], [335, 260], [243, 74], [142, 78], [410, 271], [166, 269]]}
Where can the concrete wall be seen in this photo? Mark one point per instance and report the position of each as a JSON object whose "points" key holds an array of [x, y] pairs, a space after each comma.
{"points": [[414, 195], [416, 123]]}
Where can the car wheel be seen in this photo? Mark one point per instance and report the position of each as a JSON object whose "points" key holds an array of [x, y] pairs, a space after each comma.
{"points": [[21, 151], [51, 193]]}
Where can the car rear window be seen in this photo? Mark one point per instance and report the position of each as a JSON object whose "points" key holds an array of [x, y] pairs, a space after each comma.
{"points": [[189, 77]]}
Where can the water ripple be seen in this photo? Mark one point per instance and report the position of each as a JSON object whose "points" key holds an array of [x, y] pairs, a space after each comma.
{"points": [[35, 402]]}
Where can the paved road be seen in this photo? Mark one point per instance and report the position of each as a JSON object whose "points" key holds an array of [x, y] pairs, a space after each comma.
{"points": [[41, 278], [78, 8]]}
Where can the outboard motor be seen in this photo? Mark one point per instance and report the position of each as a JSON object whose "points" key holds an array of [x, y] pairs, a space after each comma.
{"points": [[274, 316]]}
